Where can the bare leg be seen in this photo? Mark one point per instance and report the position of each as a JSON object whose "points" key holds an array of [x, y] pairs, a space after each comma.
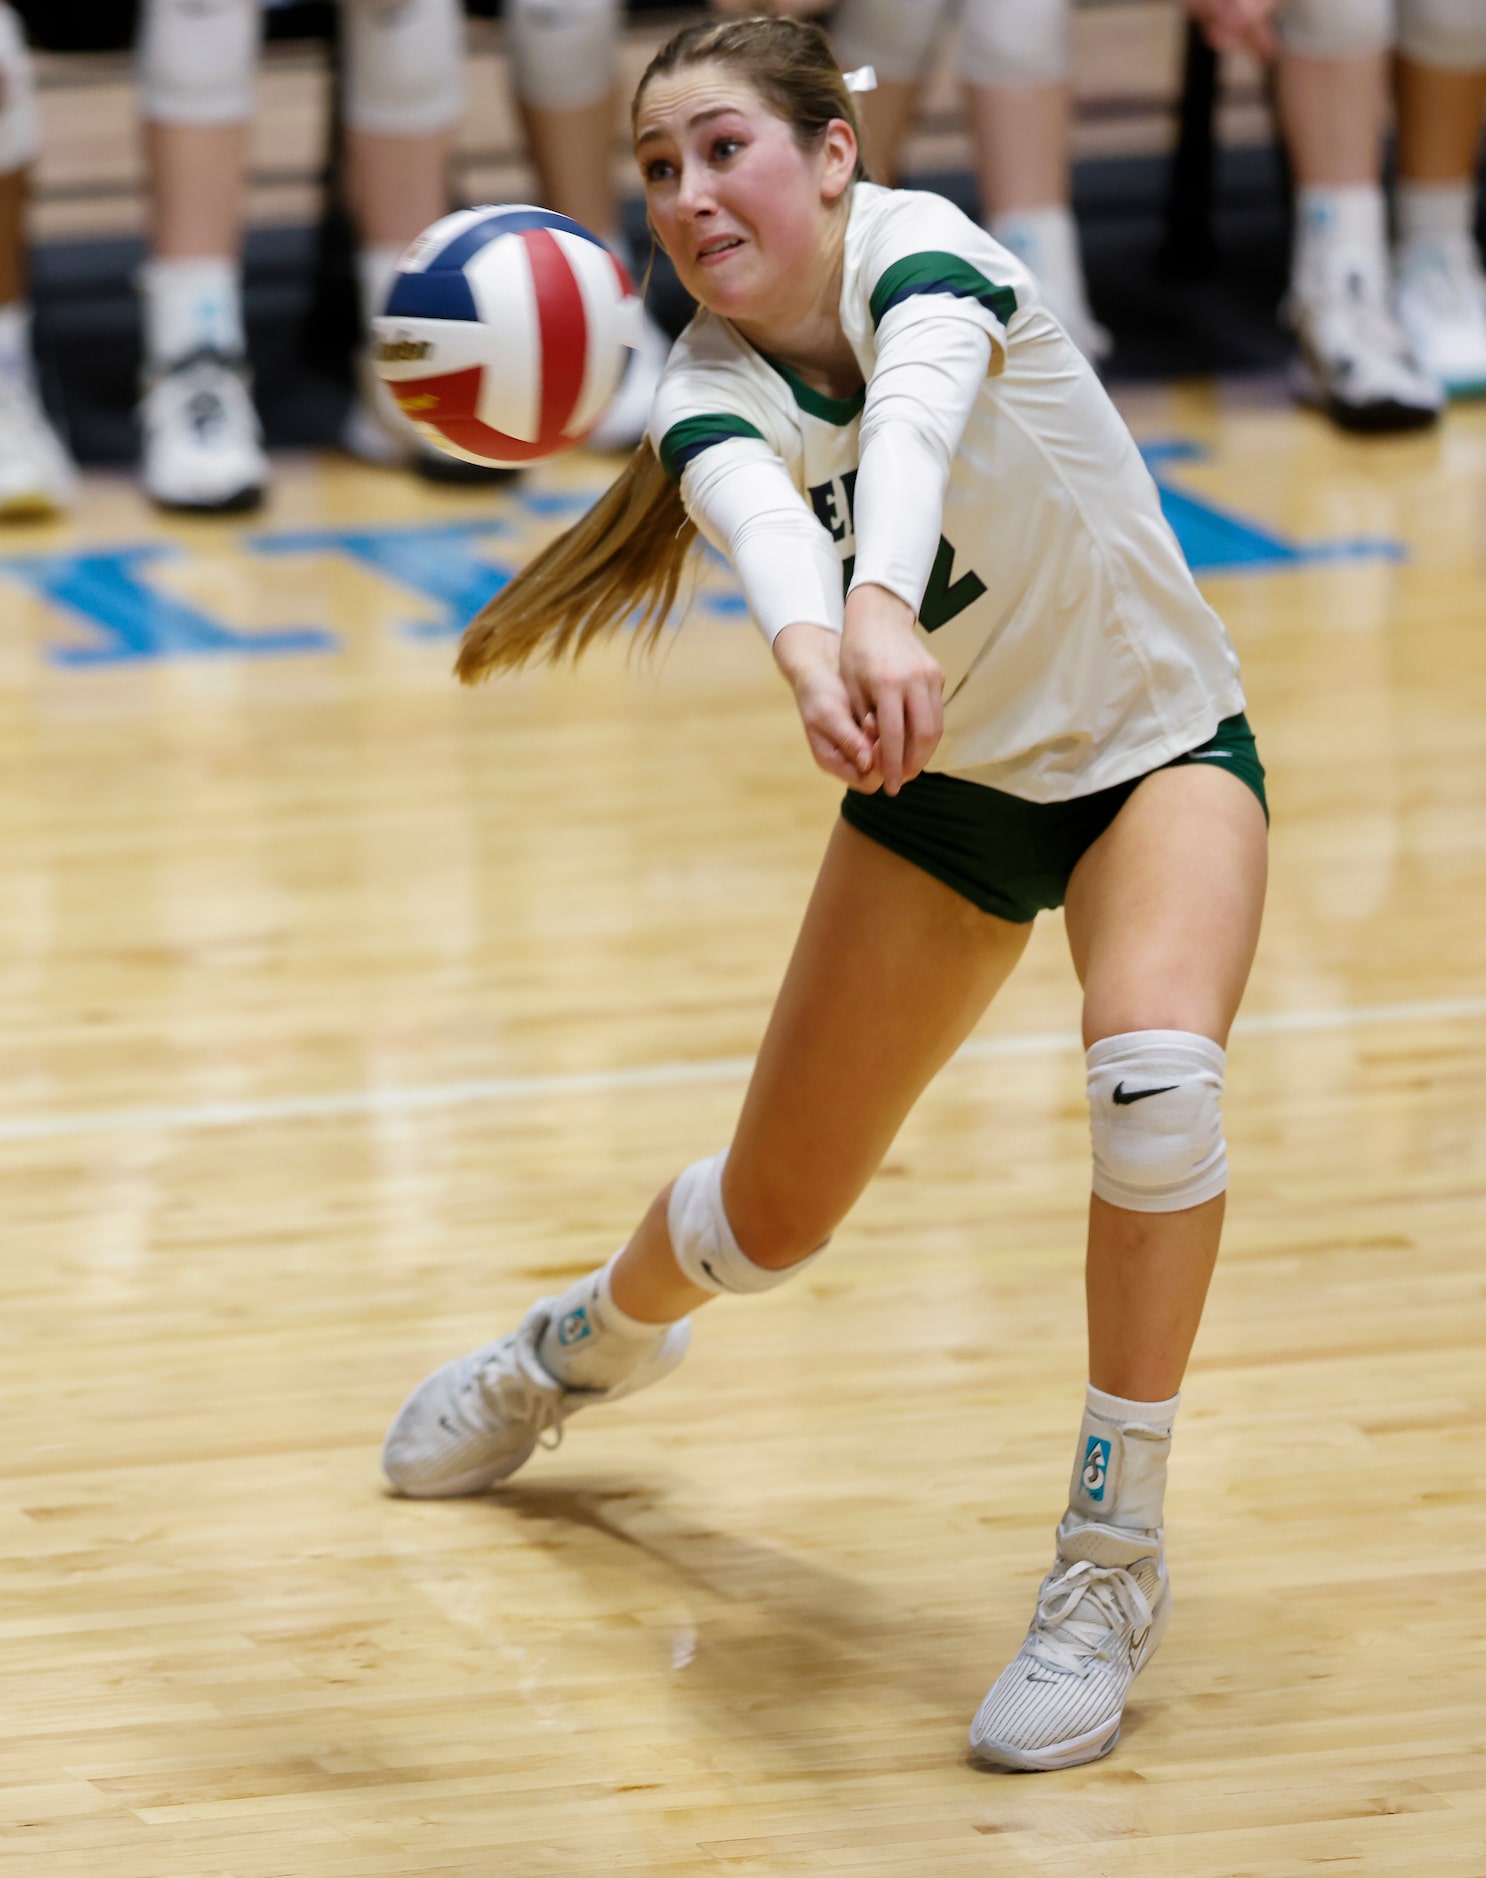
{"points": [[573, 153], [196, 189], [397, 185], [1020, 134], [1163, 919], [886, 115], [890, 973], [1333, 112], [14, 188], [1439, 122]]}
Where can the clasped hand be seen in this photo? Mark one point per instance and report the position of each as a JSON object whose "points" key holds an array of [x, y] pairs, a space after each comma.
{"points": [[872, 698]]}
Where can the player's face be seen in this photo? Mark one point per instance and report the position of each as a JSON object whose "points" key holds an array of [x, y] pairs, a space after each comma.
{"points": [[739, 207]]}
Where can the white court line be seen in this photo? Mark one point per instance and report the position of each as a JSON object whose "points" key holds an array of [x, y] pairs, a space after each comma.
{"points": [[416, 1098]]}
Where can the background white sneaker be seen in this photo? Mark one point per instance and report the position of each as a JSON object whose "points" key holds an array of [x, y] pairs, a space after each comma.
{"points": [[1100, 1615], [476, 1420], [1355, 363], [1440, 296], [37, 477], [203, 444]]}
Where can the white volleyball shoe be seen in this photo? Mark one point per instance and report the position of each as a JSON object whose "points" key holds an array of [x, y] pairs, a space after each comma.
{"points": [[203, 444], [37, 477], [1101, 1613], [1440, 297], [473, 1422], [1355, 362]]}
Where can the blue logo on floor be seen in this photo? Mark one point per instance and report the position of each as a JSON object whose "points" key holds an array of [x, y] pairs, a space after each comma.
{"points": [[126, 603], [1096, 1468]]}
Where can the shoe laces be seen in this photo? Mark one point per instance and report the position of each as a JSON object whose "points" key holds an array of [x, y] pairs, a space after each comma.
{"points": [[1087, 1611], [200, 386], [512, 1384]]}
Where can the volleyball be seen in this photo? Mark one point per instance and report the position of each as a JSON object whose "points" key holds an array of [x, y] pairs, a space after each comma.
{"points": [[506, 333]]}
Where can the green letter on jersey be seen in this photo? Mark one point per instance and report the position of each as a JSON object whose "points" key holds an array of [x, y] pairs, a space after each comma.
{"points": [[943, 597]]}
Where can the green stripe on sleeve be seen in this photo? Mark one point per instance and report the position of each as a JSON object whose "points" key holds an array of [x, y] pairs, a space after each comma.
{"points": [[693, 435], [939, 273]]}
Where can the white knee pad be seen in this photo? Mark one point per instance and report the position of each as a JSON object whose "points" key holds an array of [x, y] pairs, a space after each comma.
{"points": [[1337, 29], [703, 1241], [1447, 33], [404, 65], [895, 37], [1015, 42], [1156, 1115], [20, 129], [564, 53], [196, 60]]}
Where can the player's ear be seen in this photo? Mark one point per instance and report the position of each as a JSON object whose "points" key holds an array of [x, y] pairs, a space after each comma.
{"points": [[839, 151]]}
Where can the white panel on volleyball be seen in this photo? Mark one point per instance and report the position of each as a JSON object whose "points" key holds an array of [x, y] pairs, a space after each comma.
{"points": [[506, 299], [420, 348], [436, 237], [613, 325]]}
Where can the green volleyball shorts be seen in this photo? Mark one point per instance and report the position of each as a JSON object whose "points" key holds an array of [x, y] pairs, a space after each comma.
{"points": [[1010, 857]]}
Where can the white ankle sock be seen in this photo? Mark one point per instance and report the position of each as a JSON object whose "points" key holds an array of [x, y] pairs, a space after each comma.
{"points": [[1341, 229], [1435, 211], [374, 270], [590, 1343], [1119, 1466], [189, 305], [1046, 240], [17, 362]]}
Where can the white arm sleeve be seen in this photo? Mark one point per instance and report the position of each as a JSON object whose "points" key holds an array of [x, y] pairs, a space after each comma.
{"points": [[931, 363], [742, 500]]}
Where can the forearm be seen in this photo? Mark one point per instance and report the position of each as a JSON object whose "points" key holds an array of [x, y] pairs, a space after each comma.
{"points": [[927, 379], [744, 503]]}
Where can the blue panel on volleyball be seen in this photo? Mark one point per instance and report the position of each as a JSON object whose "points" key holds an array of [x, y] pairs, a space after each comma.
{"points": [[437, 295], [507, 222], [440, 290]]}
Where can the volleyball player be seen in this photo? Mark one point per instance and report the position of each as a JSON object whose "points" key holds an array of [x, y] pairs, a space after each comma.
{"points": [[565, 72], [1029, 704], [203, 445], [1015, 61], [1380, 346], [36, 473]]}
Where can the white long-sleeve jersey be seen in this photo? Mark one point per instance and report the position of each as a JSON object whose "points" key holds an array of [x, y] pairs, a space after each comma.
{"points": [[983, 476]]}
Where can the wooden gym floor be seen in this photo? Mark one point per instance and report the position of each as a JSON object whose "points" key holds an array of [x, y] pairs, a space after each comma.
{"points": [[345, 1011]]}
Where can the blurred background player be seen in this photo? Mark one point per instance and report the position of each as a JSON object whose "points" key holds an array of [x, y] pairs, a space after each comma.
{"points": [[565, 68], [1380, 346], [1014, 55], [203, 447], [36, 474]]}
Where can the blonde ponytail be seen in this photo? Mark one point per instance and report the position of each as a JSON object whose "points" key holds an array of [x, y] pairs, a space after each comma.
{"points": [[623, 561]]}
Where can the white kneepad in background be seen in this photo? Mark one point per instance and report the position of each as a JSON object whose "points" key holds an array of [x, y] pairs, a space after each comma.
{"points": [[404, 65], [564, 53], [197, 59]]}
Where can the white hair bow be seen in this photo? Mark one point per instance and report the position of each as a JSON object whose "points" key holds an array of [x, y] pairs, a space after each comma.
{"points": [[864, 78]]}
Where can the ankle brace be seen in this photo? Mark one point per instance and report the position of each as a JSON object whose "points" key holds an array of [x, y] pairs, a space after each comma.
{"points": [[1119, 1466]]}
